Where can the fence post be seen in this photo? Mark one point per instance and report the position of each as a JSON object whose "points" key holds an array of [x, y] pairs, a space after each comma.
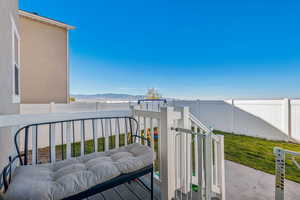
{"points": [[167, 160], [232, 115], [286, 118], [51, 107], [97, 105]]}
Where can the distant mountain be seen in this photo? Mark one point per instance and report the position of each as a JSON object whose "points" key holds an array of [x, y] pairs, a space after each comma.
{"points": [[108, 96]]}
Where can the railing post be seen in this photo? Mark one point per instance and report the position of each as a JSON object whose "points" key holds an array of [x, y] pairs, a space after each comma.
{"points": [[286, 118], [221, 166], [131, 108], [208, 165], [279, 173], [167, 154], [200, 166], [185, 143]]}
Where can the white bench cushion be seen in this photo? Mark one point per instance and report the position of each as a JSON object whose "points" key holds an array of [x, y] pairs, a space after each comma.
{"points": [[69, 177]]}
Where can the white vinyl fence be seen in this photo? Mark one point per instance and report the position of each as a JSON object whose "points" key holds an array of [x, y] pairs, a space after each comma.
{"points": [[270, 119], [69, 108], [72, 107]]}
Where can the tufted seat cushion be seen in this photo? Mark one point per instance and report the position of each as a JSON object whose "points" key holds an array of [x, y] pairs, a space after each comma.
{"points": [[65, 178]]}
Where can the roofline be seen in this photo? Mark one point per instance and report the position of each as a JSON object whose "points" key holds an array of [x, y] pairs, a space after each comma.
{"points": [[45, 20]]}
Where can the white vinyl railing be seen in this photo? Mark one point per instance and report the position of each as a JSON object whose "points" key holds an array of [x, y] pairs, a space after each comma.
{"points": [[189, 156], [212, 148]]}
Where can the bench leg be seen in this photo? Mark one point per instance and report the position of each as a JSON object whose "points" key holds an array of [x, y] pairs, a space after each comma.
{"points": [[152, 184]]}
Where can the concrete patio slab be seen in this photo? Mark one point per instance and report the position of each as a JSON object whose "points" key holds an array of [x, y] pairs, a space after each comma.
{"points": [[244, 183]]}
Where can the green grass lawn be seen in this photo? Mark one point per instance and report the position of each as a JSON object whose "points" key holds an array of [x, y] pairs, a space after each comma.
{"points": [[89, 146], [249, 151], [258, 153]]}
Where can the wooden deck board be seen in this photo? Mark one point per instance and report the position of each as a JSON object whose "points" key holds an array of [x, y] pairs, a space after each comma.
{"points": [[132, 191]]}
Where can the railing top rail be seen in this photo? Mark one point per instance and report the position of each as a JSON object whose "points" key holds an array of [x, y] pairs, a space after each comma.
{"points": [[147, 113], [22, 120], [293, 153], [188, 131], [199, 123], [153, 100]]}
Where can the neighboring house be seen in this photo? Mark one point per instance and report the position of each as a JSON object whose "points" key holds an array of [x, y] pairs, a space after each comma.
{"points": [[34, 66], [9, 70], [44, 59]]}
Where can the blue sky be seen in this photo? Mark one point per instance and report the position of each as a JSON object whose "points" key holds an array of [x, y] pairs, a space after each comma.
{"points": [[187, 49]]}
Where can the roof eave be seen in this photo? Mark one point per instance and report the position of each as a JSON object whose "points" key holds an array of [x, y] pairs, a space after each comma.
{"points": [[46, 20]]}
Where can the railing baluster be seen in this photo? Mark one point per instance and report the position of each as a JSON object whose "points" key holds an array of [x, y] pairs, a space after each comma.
{"points": [[215, 158], [191, 169], [82, 134], [187, 162], [208, 165], [95, 134], [177, 175], [102, 131], [52, 143], [221, 166], [180, 168], [73, 131], [196, 157], [34, 145], [117, 124], [139, 133], [110, 134], [126, 131], [159, 142], [62, 141], [145, 130], [152, 134], [106, 135], [68, 140]]}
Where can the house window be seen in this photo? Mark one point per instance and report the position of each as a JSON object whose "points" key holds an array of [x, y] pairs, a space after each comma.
{"points": [[15, 62], [17, 92]]}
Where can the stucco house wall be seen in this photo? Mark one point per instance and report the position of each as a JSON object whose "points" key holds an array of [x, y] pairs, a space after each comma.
{"points": [[44, 60], [8, 11]]}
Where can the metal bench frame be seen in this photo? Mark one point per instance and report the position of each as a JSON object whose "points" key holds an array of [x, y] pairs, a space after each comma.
{"points": [[121, 179]]}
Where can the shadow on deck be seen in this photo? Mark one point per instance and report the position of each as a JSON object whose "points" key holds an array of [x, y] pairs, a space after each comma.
{"points": [[136, 191], [130, 191]]}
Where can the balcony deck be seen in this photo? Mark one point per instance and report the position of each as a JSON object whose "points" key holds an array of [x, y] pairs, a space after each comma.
{"points": [[132, 191], [136, 191], [66, 135]]}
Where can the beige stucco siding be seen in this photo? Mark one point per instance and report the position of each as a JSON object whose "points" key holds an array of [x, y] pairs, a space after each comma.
{"points": [[44, 72], [8, 10]]}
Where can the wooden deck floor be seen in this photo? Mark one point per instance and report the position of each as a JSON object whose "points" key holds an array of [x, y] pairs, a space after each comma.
{"points": [[136, 191], [132, 191]]}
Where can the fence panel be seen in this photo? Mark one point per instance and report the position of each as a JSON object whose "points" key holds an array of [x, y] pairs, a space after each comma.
{"points": [[295, 119]]}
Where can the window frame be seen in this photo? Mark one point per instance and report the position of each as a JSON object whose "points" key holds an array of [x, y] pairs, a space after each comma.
{"points": [[15, 64]]}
